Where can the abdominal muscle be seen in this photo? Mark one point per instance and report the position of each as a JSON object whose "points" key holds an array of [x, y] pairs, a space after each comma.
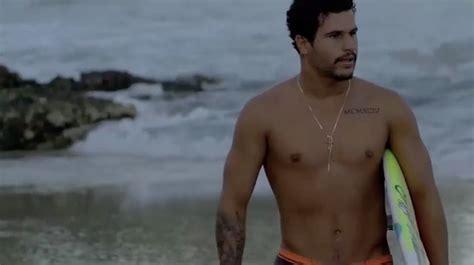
{"points": [[329, 220]]}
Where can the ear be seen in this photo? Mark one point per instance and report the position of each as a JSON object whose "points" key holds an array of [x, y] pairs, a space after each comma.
{"points": [[304, 46]]}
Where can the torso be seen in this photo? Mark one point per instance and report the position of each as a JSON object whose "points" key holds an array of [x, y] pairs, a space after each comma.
{"points": [[335, 217]]}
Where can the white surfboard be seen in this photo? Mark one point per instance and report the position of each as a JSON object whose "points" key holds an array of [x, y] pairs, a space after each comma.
{"points": [[403, 214]]}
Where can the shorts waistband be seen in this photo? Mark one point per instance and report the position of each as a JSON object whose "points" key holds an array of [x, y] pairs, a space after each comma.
{"points": [[301, 260]]}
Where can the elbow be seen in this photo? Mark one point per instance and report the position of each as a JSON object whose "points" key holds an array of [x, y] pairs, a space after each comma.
{"points": [[232, 207]]}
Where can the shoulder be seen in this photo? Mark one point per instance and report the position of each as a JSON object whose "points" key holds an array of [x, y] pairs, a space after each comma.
{"points": [[396, 109], [393, 103], [375, 91], [258, 110], [256, 113], [274, 93]]}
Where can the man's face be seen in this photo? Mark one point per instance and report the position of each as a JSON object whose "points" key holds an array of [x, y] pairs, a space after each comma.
{"points": [[334, 50]]}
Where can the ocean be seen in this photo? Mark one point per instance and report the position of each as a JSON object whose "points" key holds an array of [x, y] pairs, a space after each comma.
{"points": [[144, 191]]}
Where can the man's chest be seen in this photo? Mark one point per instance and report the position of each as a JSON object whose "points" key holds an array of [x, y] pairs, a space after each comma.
{"points": [[360, 138]]}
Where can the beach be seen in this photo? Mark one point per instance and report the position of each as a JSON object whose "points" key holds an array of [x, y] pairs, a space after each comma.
{"points": [[109, 225]]}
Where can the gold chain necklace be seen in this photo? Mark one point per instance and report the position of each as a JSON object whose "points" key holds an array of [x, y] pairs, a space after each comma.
{"points": [[329, 137]]}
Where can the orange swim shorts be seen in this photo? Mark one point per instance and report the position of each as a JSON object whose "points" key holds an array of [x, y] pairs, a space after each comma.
{"points": [[286, 257]]}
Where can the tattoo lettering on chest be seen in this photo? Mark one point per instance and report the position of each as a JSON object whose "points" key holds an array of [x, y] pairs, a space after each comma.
{"points": [[364, 110]]}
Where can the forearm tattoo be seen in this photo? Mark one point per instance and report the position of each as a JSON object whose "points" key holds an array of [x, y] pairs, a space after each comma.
{"points": [[230, 238]]}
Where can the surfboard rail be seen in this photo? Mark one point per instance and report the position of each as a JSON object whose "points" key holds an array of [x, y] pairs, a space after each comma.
{"points": [[402, 211]]}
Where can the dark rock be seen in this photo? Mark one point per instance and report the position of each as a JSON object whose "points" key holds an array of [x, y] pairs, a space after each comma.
{"points": [[12, 127], [180, 86], [202, 79], [61, 83], [89, 81], [11, 79], [8, 79], [31, 83], [21, 100], [30, 119], [184, 83], [110, 80]]}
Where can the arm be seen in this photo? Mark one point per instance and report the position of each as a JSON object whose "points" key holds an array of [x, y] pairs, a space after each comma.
{"points": [[408, 147], [241, 169]]}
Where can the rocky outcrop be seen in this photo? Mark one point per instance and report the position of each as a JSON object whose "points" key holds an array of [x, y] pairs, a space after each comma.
{"points": [[56, 114], [30, 120], [89, 81], [107, 81]]}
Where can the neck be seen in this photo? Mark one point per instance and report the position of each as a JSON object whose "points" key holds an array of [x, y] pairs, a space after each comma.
{"points": [[321, 87]]}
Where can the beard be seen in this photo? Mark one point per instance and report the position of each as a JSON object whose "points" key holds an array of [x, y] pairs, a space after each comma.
{"points": [[338, 74], [343, 75], [333, 70]]}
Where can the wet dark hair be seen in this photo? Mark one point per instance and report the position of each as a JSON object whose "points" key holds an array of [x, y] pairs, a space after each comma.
{"points": [[303, 16]]}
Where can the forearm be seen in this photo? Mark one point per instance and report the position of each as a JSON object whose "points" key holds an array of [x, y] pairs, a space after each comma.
{"points": [[433, 229], [230, 235]]}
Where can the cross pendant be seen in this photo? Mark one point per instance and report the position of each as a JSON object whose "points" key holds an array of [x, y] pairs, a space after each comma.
{"points": [[330, 143]]}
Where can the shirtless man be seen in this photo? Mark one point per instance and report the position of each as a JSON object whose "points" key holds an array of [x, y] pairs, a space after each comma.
{"points": [[320, 137]]}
